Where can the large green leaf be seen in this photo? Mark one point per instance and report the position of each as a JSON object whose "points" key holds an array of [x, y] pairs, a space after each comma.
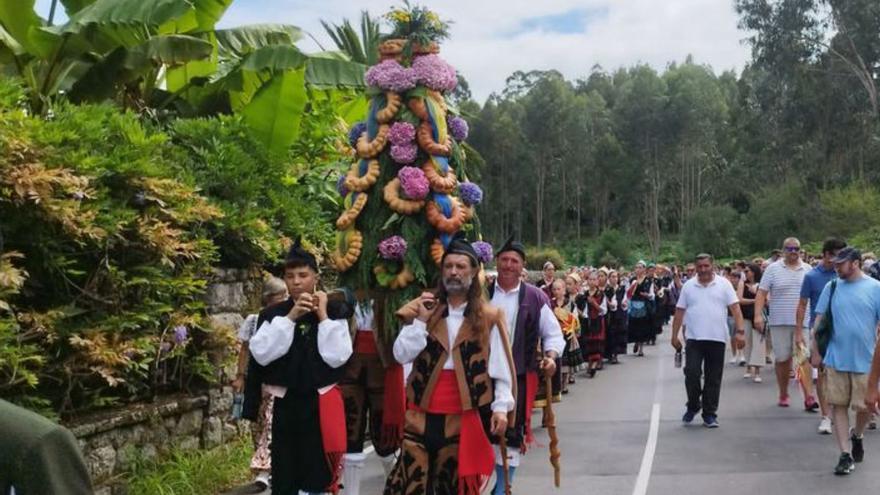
{"points": [[18, 18], [239, 41], [177, 78], [201, 18], [274, 58], [74, 6], [353, 110], [9, 47], [277, 109], [170, 50], [111, 23], [332, 73]]}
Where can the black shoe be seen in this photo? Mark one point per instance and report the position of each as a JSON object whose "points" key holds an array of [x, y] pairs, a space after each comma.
{"points": [[845, 465], [592, 372], [858, 449]]}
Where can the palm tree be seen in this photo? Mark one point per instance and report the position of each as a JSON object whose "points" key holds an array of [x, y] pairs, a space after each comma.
{"points": [[363, 49]]}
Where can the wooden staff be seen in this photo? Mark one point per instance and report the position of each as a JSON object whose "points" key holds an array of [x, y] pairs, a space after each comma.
{"points": [[550, 419], [504, 464]]}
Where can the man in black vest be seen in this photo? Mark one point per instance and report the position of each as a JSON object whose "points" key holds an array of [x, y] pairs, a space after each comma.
{"points": [[298, 352]]}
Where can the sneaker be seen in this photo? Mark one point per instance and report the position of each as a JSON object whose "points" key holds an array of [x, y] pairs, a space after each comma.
{"points": [[710, 421], [688, 417], [733, 360], [858, 449], [758, 379], [872, 425], [742, 362], [783, 401], [810, 405], [845, 465], [747, 376], [825, 426]]}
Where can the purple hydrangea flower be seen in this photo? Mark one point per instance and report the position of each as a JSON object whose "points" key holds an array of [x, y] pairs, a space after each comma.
{"points": [[393, 248], [401, 133], [355, 133], [470, 193], [389, 75], [458, 128], [404, 154], [340, 186], [413, 183], [180, 334], [484, 251], [433, 72]]}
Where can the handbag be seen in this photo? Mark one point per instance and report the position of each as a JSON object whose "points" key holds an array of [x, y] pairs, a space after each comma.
{"points": [[825, 329], [638, 309]]}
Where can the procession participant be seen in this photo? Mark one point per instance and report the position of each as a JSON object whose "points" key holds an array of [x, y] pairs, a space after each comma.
{"points": [[594, 334], [372, 389], [640, 294], [615, 294], [298, 352], [461, 386], [530, 320], [566, 312], [548, 272]]}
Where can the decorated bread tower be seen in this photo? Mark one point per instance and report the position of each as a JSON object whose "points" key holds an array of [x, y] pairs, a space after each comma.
{"points": [[407, 192]]}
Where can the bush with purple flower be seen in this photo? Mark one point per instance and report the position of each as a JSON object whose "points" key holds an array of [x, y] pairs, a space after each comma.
{"points": [[484, 251], [401, 133], [470, 193], [389, 75], [458, 128], [180, 334], [413, 183], [404, 154], [393, 248], [433, 72]]}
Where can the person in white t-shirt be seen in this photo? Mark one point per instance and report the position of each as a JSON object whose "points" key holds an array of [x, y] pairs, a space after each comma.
{"points": [[702, 307]]}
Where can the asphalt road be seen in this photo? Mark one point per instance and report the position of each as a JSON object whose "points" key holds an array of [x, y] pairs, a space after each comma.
{"points": [[608, 447]]}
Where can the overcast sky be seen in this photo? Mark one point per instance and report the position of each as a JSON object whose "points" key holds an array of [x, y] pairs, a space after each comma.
{"points": [[493, 38]]}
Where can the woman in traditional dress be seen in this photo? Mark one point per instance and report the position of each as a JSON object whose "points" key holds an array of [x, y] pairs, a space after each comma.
{"points": [[640, 294], [567, 313], [594, 336], [615, 294]]}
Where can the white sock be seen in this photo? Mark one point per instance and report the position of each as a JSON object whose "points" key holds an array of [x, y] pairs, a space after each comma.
{"points": [[388, 463], [351, 473]]}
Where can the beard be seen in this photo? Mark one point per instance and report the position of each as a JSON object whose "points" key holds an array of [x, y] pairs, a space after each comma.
{"points": [[457, 286]]}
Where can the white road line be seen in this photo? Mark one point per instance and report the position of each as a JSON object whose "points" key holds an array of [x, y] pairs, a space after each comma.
{"points": [[644, 476], [648, 458]]}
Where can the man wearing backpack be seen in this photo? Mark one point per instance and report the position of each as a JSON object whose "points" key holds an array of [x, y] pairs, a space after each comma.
{"points": [[852, 303]]}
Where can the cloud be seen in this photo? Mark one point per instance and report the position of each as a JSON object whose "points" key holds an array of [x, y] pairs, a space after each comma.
{"points": [[493, 38]]}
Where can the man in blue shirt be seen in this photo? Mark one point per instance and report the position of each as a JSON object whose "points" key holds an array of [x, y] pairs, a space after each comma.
{"points": [[814, 281], [855, 309]]}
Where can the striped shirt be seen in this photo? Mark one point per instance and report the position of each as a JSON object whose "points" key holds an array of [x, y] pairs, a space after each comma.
{"points": [[783, 285]]}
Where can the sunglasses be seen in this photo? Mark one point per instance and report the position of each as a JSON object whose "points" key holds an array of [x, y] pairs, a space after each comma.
{"points": [[792, 249]]}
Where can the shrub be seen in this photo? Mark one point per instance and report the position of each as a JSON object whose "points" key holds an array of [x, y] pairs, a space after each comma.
{"points": [[712, 229], [849, 210], [774, 214], [102, 301], [612, 249], [535, 258]]}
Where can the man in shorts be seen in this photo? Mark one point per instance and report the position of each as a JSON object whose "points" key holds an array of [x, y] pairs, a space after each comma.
{"points": [[855, 311], [781, 284]]}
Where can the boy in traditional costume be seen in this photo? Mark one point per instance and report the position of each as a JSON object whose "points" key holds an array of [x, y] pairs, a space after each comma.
{"points": [[461, 386], [298, 352]]}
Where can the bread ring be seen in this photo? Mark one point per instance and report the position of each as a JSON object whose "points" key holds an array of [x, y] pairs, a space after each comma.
{"points": [[369, 149], [354, 244], [391, 192], [441, 184], [355, 182], [348, 217], [439, 221], [403, 278], [418, 108], [437, 251], [426, 141], [392, 106]]}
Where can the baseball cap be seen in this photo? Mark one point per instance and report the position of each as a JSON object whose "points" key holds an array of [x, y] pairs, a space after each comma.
{"points": [[847, 254]]}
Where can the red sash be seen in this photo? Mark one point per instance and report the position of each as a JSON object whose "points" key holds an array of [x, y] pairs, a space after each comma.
{"points": [[365, 343], [393, 407], [476, 457], [331, 410], [531, 393]]}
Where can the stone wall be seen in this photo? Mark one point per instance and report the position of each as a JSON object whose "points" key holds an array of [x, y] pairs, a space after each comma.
{"points": [[111, 440]]}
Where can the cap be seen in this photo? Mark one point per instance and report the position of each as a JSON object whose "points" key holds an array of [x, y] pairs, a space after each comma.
{"points": [[459, 245], [847, 254], [298, 255], [512, 245]]}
